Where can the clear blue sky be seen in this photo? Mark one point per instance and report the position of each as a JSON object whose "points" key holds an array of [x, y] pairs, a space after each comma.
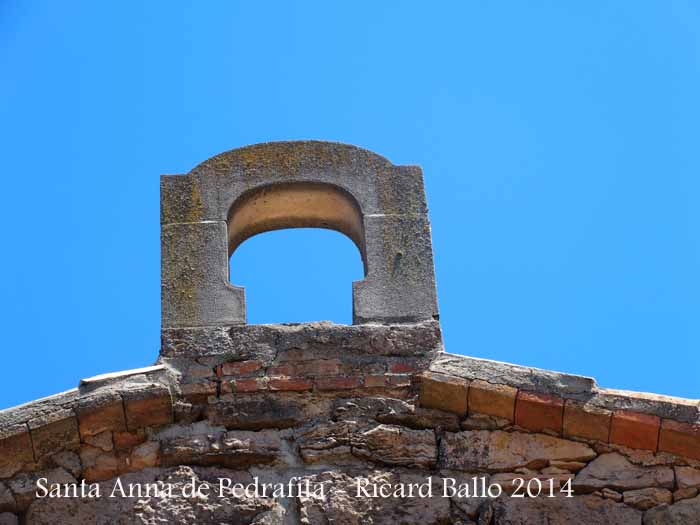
{"points": [[559, 142]]}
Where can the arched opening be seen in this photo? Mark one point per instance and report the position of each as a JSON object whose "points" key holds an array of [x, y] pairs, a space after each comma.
{"points": [[295, 205], [303, 273], [297, 275]]}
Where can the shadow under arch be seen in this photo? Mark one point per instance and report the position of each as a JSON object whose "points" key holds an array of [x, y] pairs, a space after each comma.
{"points": [[296, 205]]}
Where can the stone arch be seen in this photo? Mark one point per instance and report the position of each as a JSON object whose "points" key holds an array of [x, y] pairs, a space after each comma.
{"points": [[206, 213], [295, 205]]}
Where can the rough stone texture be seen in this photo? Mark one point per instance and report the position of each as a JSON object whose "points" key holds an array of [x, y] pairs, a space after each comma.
{"points": [[7, 499], [7, 518], [444, 392], [147, 405], [502, 451], [235, 449], [539, 412], [616, 472], [586, 421], [563, 511], [492, 400], [15, 449], [341, 505], [24, 486], [645, 499], [363, 411], [265, 411], [687, 477], [394, 445], [682, 513], [303, 342], [52, 432], [100, 411]]}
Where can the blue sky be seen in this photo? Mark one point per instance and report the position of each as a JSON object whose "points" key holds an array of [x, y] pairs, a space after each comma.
{"points": [[559, 143]]}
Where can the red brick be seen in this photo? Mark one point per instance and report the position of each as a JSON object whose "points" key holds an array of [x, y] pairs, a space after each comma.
{"points": [[313, 368], [400, 367], [680, 438], [285, 369], [251, 384], [444, 392], [376, 381], [492, 400], [338, 383], [635, 430], [398, 380], [539, 412], [586, 421], [292, 384], [199, 390], [241, 368]]}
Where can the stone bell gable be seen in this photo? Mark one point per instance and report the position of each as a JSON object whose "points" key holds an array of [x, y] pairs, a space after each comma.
{"points": [[378, 404], [208, 213]]}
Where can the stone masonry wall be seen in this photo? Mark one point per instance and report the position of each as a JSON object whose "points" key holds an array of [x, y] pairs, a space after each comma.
{"points": [[333, 404]]}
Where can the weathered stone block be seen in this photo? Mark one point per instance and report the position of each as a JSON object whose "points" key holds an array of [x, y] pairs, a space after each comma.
{"points": [[144, 456], [341, 505], [127, 440], [147, 405], [645, 499], [560, 510], [492, 400], [539, 412], [53, 432], [7, 499], [616, 472], [586, 421], [634, 430], [235, 449], [680, 438], [103, 441], [394, 445], [15, 449], [400, 282], [687, 477], [7, 518], [195, 290], [481, 450], [255, 413], [681, 513], [99, 465], [444, 392], [101, 411], [24, 485]]}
